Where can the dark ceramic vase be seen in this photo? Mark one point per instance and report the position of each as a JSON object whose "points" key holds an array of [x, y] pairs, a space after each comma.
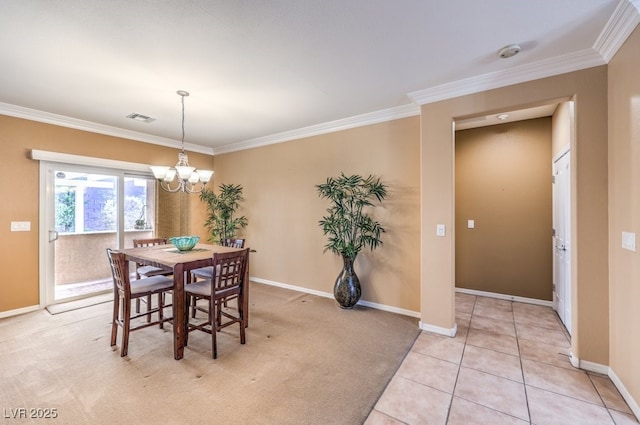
{"points": [[347, 289]]}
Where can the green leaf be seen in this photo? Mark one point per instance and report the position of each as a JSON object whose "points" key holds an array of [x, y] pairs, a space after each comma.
{"points": [[221, 208], [348, 227]]}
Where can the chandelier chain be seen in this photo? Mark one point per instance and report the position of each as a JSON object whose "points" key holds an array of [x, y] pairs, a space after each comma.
{"points": [[182, 97]]}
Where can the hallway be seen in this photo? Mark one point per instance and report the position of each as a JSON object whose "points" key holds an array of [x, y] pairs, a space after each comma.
{"points": [[508, 364]]}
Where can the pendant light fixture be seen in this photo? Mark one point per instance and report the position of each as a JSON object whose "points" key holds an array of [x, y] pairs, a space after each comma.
{"points": [[182, 177]]}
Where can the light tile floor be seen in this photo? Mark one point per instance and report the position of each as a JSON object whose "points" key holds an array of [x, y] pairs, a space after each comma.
{"points": [[508, 364]]}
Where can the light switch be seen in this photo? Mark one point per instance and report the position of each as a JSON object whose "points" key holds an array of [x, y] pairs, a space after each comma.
{"points": [[629, 241], [20, 226], [440, 230], [471, 224]]}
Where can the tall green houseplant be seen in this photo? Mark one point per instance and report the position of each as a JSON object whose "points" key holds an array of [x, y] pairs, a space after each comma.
{"points": [[349, 228], [221, 208]]}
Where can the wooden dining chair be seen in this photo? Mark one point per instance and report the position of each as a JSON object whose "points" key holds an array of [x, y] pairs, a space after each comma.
{"points": [[143, 271], [126, 290], [206, 272], [228, 280]]}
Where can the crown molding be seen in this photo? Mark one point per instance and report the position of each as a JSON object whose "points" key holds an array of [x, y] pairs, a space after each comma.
{"points": [[560, 65], [92, 127], [623, 21], [328, 127]]}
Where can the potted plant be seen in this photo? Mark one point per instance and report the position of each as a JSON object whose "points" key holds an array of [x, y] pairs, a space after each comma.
{"points": [[140, 223], [221, 208], [349, 228]]}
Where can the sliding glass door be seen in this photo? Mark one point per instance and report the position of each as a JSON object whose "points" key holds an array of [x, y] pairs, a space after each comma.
{"points": [[85, 211]]}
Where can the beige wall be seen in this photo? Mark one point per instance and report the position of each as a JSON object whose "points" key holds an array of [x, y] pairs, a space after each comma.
{"points": [[624, 206], [589, 200], [283, 208], [279, 183], [19, 250], [503, 183]]}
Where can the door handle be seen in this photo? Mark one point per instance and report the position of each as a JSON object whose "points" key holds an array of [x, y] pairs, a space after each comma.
{"points": [[53, 236]]}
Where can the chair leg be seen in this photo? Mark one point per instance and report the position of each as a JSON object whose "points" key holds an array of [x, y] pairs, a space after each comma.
{"points": [[219, 314], [114, 323], [126, 325], [242, 323], [137, 305], [160, 310], [186, 318], [148, 307], [214, 327], [193, 307]]}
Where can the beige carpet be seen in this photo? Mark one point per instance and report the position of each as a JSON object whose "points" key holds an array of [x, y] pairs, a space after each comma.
{"points": [[77, 304], [306, 361]]}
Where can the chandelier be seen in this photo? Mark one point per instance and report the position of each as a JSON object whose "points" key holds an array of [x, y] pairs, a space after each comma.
{"points": [[182, 177]]}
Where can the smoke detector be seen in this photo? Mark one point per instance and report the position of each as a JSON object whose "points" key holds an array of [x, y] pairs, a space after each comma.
{"points": [[509, 51]]}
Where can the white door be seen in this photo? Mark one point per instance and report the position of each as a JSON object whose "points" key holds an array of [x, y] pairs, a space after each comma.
{"points": [[562, 238]]}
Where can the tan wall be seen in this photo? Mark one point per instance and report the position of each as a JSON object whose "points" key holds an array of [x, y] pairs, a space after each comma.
{"points": [[503, 183], [589, 199], [624, 207], [283, 208], [19, 250]]}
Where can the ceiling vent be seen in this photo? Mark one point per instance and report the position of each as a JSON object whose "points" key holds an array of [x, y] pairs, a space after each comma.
{"points": [[141, 118]]}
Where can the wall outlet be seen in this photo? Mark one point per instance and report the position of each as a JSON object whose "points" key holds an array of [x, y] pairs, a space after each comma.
{"points": [[471, 224], [20, 226], [629, 241], [440, 230]]}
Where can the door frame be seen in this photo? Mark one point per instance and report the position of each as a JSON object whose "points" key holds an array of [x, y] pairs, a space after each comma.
{"points": [[49, 160]]}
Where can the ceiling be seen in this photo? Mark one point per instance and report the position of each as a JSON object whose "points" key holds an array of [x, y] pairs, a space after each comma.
{"points": [[260, 72]]}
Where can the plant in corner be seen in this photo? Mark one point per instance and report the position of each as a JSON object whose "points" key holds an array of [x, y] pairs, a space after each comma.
{"points": [[349, 228], [220, 212]]}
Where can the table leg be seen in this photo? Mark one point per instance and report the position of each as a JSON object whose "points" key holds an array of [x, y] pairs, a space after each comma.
{"points": [[179, 325]]}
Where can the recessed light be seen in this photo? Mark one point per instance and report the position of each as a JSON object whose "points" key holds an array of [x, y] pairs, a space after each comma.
{"points": [[502, 117]]}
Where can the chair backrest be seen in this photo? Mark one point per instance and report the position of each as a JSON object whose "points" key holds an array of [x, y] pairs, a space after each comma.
{"points": [[137, 243], [120, 271], [233, 242], [229, 270]]}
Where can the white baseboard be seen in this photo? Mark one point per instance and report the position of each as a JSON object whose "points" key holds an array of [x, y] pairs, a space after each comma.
{"points": [[575, 362], [440, 330], [377, 306], [535, 301], [606, 370], [633, 405], [588, 366], [18, 311]]}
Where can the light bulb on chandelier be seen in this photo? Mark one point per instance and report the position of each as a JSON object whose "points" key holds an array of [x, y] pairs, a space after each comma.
{"points": [[186, 178]]}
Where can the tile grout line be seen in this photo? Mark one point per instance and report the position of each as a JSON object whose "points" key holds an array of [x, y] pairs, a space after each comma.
{"points": [[464, 347], [524, 383]]}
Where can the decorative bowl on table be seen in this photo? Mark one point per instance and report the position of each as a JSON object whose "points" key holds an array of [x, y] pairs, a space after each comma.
{"points": [[184, 243]]}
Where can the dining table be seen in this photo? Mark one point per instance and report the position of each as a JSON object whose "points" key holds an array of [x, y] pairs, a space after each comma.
{"points": [[168, 257]]}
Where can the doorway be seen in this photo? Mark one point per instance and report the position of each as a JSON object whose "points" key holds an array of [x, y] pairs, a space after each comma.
{"points": [[503, 210], [84, 211]]}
